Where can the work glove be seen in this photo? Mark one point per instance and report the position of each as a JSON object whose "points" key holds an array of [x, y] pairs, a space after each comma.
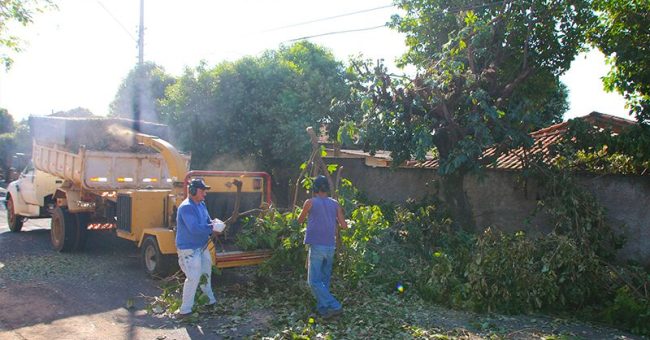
{"points": [[218, 225]]}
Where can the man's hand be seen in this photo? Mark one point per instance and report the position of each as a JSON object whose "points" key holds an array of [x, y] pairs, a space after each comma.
{"points": [[218, 225]]}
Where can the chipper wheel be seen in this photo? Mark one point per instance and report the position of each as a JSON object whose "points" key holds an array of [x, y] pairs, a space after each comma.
{"points": [[63, 231], [157, 264]]}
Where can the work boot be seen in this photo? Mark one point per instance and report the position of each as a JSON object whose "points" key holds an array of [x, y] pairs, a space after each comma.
{"points": [[332, 313], [183, 317]]}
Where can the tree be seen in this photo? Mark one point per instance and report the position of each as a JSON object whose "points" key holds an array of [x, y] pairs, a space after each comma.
{"points": [[154, 83], [251, 114], [6, 154], [76, 112], [21, 12], [6, 121], [479, 65], [7, 128], [622, 33]]}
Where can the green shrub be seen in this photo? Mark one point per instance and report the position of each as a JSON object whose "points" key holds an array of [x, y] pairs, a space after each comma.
{"points": [[361, 251], [418, 248], [512, 273], [279, 232]]}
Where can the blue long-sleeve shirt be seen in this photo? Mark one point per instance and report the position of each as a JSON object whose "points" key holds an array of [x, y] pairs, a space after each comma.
{"points": [[193, 225]]}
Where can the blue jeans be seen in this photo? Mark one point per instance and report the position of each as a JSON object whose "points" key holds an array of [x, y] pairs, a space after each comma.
{"points": [[194, 263], [319, 275]]}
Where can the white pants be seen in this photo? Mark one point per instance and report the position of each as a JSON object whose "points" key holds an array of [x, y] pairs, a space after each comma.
{"points": [[194, 263]]}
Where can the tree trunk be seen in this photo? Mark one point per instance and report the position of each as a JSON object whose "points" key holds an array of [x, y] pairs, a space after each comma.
{"points": [[454, 196]]}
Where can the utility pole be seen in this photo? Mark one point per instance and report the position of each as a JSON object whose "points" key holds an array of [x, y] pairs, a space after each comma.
{"points": [[141, 35], [138, 96]]}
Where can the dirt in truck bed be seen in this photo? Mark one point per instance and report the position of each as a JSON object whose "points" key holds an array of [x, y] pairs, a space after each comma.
{"points": [[102, 134]]}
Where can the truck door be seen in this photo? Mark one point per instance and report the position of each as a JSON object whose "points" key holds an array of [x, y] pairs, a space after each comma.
{"points": [[26, 185]]}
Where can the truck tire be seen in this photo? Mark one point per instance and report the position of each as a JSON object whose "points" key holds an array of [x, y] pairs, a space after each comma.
{"points": [[15, 221], [155, 263], [63, 230], [82, 230]]}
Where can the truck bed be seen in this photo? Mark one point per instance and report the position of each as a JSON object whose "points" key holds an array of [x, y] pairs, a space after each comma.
{"points": [[103, 170]]}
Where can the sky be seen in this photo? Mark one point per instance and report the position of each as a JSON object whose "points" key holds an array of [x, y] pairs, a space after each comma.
{"points": [[78, 55]]}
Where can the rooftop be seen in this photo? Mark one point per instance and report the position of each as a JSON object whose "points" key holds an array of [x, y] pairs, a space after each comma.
{"points": [[511, 160]]}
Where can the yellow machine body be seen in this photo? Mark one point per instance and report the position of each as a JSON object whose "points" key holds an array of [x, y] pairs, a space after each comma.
{"points": [[141, 210]]}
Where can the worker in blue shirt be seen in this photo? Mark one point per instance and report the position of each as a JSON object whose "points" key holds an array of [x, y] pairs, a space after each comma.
{"points": [[193, 231]]}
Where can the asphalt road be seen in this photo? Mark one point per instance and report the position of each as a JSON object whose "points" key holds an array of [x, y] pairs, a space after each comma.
{"points": [[49, 295]]}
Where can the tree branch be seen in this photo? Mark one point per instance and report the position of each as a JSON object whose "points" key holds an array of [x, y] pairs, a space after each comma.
{"points": [[508, 89]]}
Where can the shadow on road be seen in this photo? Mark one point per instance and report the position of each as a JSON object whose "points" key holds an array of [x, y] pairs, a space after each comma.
{"points": [[105, 283]]}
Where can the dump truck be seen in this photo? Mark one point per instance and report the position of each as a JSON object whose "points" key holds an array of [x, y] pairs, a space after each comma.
{"points": [[132, 185]]}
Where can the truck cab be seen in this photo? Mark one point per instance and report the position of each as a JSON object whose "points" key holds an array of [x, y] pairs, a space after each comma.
{"points": [[30, 196]]}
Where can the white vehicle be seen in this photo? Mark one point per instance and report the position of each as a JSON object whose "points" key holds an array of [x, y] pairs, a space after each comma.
{"points": [[30, 196]]}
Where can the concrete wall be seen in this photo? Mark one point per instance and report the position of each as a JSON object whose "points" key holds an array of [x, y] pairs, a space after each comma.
{"points": [[500, 199]]}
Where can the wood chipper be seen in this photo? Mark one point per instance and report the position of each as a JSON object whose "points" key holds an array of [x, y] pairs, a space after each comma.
{"points": [[127, 181]]}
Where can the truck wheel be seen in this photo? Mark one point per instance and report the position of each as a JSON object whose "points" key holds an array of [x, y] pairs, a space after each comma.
{"points": [[15, 221], [157, 264], [63, 231], [82, 230]]}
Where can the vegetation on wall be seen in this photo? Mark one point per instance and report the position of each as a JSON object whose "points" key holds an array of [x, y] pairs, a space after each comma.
{"points": [[571, 269], [602, 151]]}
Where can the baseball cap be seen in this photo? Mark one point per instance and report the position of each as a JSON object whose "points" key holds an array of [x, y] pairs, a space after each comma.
{"points": [[198, 183], [321, 184]]}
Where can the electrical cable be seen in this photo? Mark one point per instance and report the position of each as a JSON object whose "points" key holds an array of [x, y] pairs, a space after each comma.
{"points": [[325, 19], [116, 20], [336, 32], [454, 10]]}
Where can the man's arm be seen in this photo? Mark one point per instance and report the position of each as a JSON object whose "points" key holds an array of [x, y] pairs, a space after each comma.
{"points": [[305, 211], [340, 217]]}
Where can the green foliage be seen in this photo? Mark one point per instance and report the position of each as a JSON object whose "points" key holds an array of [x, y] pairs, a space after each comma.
{"points": [[515, 274], [602, 151], [251, 114], [404, 253], [480, 67], [18, 140], [361, 251], [20, 12], [6, 122], [170, 299], [621, 33], [76, 112], [7, 148], [430, 253], [628, 311], [576, 213], [153, 81], [280, 232]]}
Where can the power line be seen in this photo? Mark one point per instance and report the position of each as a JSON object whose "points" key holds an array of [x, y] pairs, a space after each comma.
{"points": [[116, 20], [452, 10], [336, 32], [327, 18]]}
